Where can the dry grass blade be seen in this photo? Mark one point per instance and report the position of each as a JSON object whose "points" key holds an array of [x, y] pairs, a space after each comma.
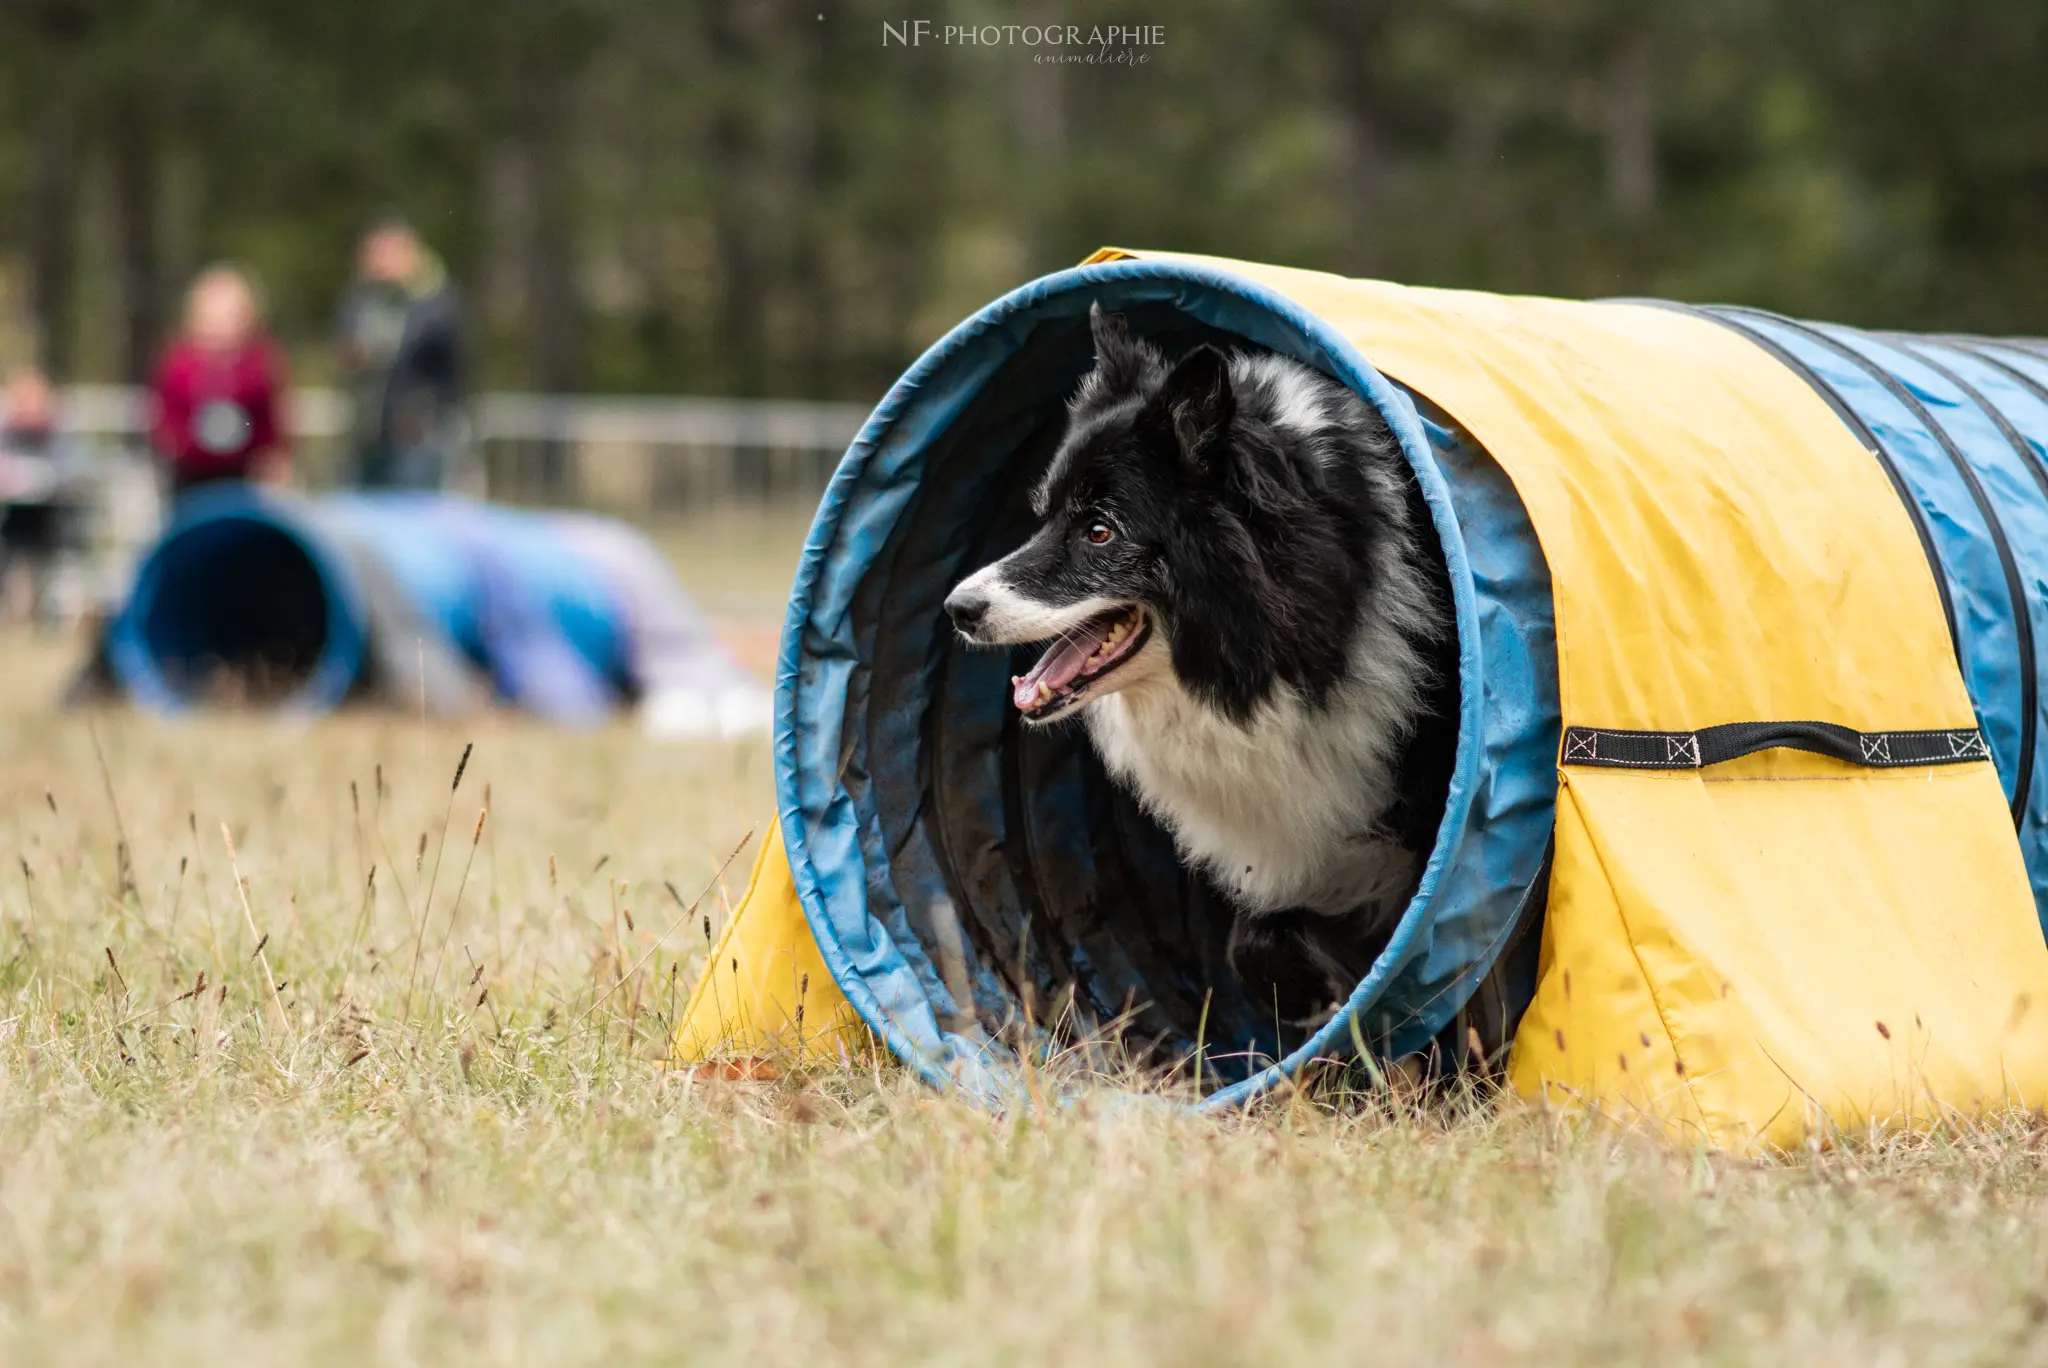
{"points": [[249, 918], [427, 910], [476, 837], [124, 870], [672, 927]]}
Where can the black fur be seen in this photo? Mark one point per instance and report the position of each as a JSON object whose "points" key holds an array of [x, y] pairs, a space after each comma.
{"points": [[1251, 544]]}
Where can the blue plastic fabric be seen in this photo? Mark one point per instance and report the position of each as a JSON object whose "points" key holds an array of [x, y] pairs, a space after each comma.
{"points": [[922, 826], [513, 597], [493, 582]]}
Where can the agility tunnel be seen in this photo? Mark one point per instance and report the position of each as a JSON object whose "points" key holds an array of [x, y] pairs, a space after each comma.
{"points": [[1746, 831], [259, 598]]}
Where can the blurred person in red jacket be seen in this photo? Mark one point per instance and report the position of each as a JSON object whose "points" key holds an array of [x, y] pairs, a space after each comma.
{"points": [[219, 390]]}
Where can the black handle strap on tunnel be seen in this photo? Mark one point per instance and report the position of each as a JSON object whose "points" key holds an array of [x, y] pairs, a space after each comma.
{"points": [[1610, 748], [1854, 422], [2015, 586]]}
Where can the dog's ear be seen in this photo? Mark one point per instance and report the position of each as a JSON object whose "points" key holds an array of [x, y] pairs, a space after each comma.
{"points": [[1198, 404], [1121, 362]]}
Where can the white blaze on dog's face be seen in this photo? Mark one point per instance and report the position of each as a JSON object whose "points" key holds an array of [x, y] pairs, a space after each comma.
{"points": [[1010, 616], [1098, 642]]}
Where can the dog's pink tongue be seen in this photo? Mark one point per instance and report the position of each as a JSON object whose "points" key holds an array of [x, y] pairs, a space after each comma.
{"points": [[1056, 669]]}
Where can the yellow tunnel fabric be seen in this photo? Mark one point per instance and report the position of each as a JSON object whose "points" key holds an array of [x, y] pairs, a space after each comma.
{"points": [[765, 990], [1784, 941]]}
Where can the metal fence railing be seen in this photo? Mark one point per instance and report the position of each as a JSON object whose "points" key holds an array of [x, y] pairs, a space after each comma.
{"points": [[621, 454]]}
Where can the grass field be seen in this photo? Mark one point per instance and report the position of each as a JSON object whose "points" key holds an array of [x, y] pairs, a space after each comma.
{"points": [[253, 1110]]}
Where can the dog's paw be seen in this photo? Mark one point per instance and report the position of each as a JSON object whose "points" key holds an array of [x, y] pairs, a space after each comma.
{"points": [[1279, 959], [1304, 965]]}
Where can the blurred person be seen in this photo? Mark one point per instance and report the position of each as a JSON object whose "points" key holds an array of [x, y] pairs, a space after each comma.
{"points": [[41, 496], [218, 392], [402, 354]]}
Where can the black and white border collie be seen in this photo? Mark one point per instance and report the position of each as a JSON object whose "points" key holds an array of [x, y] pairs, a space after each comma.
{"points": [[1247, 608]]}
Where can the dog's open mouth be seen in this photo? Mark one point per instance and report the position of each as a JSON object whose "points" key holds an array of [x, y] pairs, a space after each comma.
{"points": [[1077, 662]]}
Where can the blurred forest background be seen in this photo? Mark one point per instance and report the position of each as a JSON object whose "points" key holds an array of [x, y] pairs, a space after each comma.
{"points": [[760, 198]]}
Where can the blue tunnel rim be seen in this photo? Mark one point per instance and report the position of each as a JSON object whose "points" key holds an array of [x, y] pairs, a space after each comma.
{"points": [[342, 654], [1339, 357]]}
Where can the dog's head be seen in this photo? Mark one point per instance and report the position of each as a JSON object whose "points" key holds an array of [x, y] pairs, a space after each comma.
{"points": [[1174, 521]]}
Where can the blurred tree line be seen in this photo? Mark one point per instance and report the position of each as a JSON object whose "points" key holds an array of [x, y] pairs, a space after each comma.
{"points": [[760, 197]]}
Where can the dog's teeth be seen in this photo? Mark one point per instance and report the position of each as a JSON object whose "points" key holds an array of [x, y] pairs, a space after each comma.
{"points": [[1044, 692]]}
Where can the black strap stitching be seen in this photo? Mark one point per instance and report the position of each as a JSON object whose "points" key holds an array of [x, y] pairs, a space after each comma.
{"points": [[1854, 422], [2023, 621], [1616, 748], [2023, 780]]}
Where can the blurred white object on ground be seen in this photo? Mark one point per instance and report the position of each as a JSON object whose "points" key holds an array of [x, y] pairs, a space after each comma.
{"points": [[686, 713]]}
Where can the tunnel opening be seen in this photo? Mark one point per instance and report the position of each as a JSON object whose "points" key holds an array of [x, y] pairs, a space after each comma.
{"points": [[1030, 892], [237, 614], [979, 889]]}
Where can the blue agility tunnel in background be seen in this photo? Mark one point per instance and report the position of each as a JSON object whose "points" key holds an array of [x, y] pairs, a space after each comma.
{"points": [[255, 597], [297, 612], [967, 879]]}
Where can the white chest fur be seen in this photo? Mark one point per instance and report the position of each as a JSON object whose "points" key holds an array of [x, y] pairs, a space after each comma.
{"points": [[1285, 812]]}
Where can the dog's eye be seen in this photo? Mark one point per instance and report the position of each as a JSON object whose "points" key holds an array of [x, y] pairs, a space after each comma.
{"points": [[1100, 534]]}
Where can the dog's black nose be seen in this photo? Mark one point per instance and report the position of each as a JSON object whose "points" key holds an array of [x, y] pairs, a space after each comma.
{"points": [[967, 607]]}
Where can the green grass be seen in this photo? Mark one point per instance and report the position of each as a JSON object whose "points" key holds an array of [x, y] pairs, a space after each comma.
{"points": [[371, 1166]]}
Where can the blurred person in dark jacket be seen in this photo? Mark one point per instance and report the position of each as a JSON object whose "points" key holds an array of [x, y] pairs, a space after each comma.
{"points": [[402, 355], [42, 497], [218, 392]]}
